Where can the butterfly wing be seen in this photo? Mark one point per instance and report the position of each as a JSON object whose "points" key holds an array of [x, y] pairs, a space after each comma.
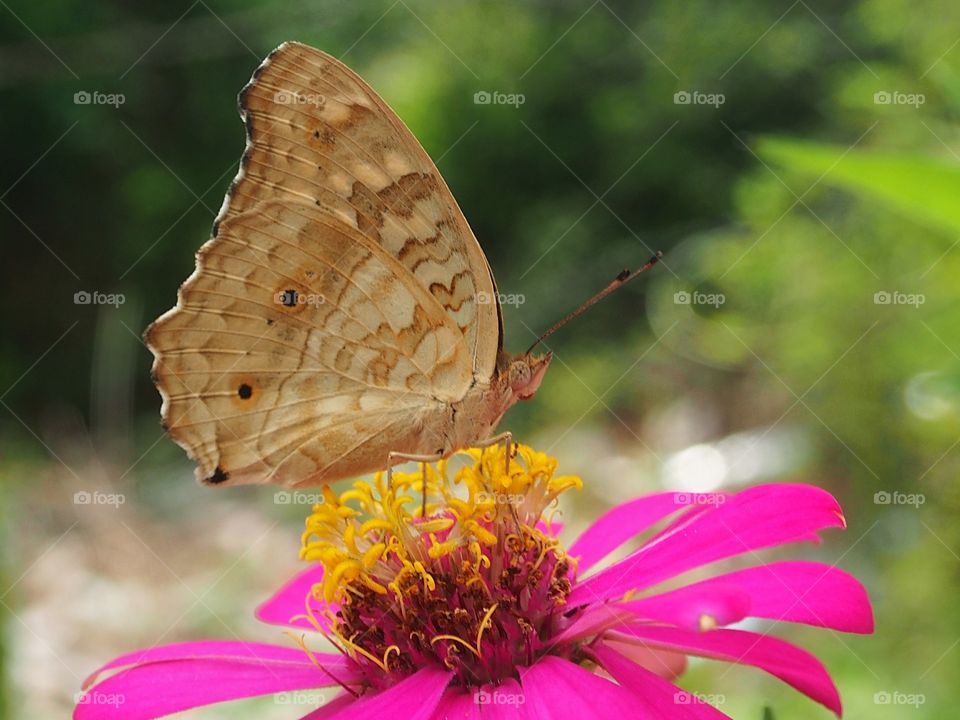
{"points": [[334, 315], [320, 135]]}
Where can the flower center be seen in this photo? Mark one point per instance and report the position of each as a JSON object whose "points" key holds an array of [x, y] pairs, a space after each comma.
{"points": [[465, 573]]}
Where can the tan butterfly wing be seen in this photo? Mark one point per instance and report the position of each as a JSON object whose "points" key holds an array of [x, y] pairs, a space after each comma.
{"points": [[337, 312]]}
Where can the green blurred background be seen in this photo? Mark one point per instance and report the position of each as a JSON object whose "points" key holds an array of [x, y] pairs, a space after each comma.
{"points": [[799, 164]]}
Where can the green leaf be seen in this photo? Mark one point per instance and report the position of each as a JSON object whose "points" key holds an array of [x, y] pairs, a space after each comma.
{"points": [[923, 188]]}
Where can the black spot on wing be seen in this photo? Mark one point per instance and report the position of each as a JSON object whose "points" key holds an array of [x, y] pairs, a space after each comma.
{"points": [[219, 476]]}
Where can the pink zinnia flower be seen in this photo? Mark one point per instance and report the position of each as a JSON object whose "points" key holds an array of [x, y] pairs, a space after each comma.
{"points": [[474, 608]]}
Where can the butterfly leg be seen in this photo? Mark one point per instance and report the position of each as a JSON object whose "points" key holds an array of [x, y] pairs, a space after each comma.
{"points": [[423, 488], [508, 437], [395, 458], [490, 441]]}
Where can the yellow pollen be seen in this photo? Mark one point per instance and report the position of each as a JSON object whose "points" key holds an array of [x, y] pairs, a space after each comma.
{"points": [[383, 559], [373, 584], [373, 554], [440, 549], [375, 524]]}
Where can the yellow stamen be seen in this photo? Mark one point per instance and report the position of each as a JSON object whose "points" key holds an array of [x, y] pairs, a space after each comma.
{"points": [[356, 648], [454, 638], [385, 558], [373, 584], [373, 555], [386, 653], [484, 624]]}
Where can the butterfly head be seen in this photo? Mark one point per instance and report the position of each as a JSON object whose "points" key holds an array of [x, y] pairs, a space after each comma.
{"points": [[525, 373]]}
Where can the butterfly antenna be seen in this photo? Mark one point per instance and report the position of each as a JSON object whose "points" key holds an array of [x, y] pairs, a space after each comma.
{"points": [[619, 281]]}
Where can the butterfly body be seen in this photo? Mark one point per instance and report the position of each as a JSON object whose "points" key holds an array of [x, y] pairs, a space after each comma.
{"points": [[477, 415], [343, 309]]}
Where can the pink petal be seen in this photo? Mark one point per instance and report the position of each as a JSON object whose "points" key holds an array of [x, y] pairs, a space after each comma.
{"points": [[593, 620], [759, 517], [793, 591], [688, 606], [668, 664], [164, 686], [664, 700], [624, 522], [334, 706], [456, 705], [290, 602], [413, 698], [506, 701], [258, 653], [556, 689], [793, 665]]}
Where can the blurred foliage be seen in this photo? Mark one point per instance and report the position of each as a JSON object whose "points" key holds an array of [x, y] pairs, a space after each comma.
{"points": [[804, 200], [921, 187]]}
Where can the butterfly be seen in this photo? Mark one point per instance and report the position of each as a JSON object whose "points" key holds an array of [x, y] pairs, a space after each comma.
{"points": [[343, 314]]}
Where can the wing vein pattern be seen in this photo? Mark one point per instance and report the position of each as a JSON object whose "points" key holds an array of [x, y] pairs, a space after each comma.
{"points": [[338, 310]]}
